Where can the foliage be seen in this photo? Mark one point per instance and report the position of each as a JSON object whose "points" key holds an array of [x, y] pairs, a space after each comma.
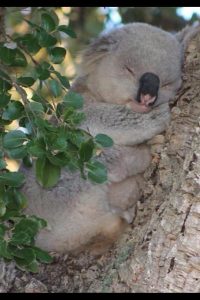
{"points": [[47, 136]]}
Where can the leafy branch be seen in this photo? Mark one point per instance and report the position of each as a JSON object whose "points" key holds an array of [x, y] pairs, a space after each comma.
{"points": [[48, 133]]}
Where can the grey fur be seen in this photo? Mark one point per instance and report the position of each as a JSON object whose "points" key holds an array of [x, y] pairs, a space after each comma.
{"points": [[123, 125], [113, 63], [80, 213]]}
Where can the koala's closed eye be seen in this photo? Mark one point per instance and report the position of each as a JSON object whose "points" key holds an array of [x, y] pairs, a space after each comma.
{"points": [[140, 48]]}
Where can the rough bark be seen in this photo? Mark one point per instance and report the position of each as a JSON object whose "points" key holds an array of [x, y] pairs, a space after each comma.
{"points": [[160, 252]]}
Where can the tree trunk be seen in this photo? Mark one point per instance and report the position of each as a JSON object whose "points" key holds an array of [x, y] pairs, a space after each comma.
{"points": [[160, 253], [163, 248]]}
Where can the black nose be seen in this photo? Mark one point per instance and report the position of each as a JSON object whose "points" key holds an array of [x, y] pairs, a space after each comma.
{"points": [[148, 84]]}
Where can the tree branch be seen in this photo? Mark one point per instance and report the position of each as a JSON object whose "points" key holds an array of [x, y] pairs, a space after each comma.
{"points": [[2, 25]]}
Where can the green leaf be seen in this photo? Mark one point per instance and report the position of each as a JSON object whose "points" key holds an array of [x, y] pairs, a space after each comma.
{"points": [[14, 139], [45, 39], [63, 80], [13, 111], [55, 88], [86, 150], [36, 107], [22, 264], [37, 97], [78, 137], [96, 172], [27, 254], [10, 214], [17, 153], [2, 230], [2, 164], [53, 16], [104, 140], [33, 25], [4, 252], [41, 223], [29, 42], [57, 54], [4, 75], [21, 238], [7, 55], [26, 81], [73, 100], [14, 179], [42, 255], [42, 71], [20, 59], [25, 231], [60, 159], [4, 86], [15, 200], [68, 30], [4, 99], [48, 22], [70, 116], [59, 143], [37, 148], [45, 125], [27, 161], [47, 174]]}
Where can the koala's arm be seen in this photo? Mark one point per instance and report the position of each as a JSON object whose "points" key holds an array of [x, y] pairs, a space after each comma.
{"points": [[124, 126]]}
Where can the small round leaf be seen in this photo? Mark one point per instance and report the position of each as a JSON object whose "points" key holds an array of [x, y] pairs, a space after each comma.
{"points": [[48, 22], [68, 30], [104, 140], [57, 55]]}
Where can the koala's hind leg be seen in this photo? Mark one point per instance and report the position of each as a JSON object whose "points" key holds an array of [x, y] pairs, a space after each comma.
{"points": [[111, 230], [123, 197]]}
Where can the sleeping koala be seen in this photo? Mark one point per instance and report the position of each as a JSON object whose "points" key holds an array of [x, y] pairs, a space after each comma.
{"points": [[125, 72]]}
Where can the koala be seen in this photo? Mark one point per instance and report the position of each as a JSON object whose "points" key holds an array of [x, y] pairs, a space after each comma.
{"points": [[127, 78]]}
